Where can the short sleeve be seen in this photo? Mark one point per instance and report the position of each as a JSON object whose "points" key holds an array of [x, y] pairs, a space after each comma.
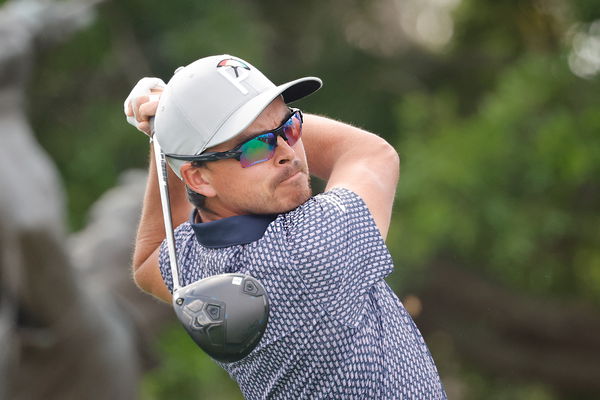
{"points": [[183, 234], [336, 245]]}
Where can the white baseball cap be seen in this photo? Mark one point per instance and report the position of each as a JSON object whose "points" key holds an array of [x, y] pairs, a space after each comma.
{"points": [[214, 99]]}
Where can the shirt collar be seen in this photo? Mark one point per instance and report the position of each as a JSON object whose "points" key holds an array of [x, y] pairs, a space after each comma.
{"points": [[231, 231]]}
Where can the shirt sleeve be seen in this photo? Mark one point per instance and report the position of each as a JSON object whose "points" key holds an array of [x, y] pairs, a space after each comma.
{"points": [[182, 234], [335, 244]]}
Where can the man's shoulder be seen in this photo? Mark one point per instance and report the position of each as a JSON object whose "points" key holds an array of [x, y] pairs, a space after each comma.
{"points": [[331, 205], [182, 235], [183, 230], [325, 219]]}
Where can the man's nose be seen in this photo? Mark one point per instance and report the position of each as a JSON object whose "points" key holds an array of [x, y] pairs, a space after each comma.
{"points": [[284, 153]]}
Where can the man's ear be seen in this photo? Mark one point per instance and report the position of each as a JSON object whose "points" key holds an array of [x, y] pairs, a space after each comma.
{"points": [[197, 179]]}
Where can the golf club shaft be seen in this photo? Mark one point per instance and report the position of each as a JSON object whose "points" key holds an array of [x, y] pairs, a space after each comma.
{"points": [[163, 185]]}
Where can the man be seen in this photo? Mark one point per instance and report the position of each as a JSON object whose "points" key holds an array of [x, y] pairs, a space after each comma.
{"points": [[336, 329]]}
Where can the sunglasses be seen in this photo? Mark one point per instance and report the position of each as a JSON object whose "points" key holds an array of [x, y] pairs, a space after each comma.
{"points": [[258, 149]]}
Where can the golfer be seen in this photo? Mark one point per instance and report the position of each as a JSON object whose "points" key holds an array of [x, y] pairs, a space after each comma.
{"points": [[242, 201]]}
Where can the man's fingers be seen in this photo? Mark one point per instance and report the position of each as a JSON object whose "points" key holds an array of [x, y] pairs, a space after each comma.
{"points": [[144, 127], [148, 110], [144, 107], [145, 87], [137, 102], [129, 111]]}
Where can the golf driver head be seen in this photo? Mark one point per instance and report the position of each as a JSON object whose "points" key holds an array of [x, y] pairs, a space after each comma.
{"points": [[226, 315]]}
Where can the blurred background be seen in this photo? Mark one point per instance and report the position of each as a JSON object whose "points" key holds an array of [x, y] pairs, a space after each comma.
{"points": [[493, 106]]}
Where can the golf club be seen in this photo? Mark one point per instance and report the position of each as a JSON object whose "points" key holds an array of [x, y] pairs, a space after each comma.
{"points": [[227, 314]]}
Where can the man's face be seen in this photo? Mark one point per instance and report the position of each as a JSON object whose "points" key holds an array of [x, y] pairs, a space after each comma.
{"points": [[270, 187]]}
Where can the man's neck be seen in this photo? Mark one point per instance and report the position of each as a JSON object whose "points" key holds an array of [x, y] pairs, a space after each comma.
{"points": [[208, 214]]}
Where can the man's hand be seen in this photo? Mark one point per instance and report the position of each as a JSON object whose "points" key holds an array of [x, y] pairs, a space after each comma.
{"points": [[142, 102]]}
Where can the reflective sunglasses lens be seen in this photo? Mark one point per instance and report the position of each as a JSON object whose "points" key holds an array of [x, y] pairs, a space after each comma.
{"points": [[256, 150], [293, 128]]}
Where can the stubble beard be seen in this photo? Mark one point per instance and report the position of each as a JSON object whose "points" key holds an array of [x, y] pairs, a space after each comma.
{"points": [[291, 201], [299, 194], [277, 196]]}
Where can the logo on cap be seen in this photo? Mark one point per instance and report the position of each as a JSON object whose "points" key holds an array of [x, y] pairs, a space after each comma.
{"points": [[235, 71]]}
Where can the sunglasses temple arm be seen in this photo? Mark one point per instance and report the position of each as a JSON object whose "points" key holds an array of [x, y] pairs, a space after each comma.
{"points": [[162, 173]]}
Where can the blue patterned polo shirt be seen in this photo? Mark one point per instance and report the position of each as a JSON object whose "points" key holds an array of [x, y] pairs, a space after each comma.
{"points": [[336, 329]]}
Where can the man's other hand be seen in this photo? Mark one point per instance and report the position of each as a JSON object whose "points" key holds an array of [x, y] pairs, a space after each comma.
{"points": [[142, 102]]}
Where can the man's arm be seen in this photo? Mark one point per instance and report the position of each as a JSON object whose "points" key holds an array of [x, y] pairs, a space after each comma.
{"points": [[151, 231], [354, 159], [140, 107]]}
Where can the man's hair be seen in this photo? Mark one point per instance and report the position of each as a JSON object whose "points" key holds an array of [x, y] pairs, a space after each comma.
{"points": [[195, 198]]}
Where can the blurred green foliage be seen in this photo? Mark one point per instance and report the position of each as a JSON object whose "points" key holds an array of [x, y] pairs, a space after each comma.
{"points": [[499, 141], [512, 189]]}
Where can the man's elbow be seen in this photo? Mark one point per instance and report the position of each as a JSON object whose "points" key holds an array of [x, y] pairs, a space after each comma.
{"points": [[140, 279], [394, 160], [151, 282], [388, 158], [144, 278]]}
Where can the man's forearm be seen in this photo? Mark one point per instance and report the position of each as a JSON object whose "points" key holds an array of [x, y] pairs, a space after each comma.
{"points": [[151, 231], [349, 157], [326, 141]]}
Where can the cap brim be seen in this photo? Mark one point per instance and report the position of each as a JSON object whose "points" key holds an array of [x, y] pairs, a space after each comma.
{"points": [[245, 115]]}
